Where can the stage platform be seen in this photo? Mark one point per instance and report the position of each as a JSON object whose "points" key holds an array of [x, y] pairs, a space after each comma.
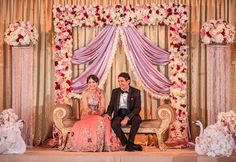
{"points": [[152, 154]]}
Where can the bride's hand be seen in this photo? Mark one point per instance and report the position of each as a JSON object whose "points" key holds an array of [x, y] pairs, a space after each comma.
{"points": [[92, 112], [101, 111], [107, 116]]}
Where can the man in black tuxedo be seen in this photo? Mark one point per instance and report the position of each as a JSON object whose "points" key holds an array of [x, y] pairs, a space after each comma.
{"points": [[126, 104]]}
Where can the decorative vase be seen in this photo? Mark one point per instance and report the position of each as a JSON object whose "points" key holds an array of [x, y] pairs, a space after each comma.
{"points": [[22, 89], [218, 81]]}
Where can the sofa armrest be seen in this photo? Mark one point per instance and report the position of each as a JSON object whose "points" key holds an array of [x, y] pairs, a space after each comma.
{"points": [[62, 119], [166, 115]]}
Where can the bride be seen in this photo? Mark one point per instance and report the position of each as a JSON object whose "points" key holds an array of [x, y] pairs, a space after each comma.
{"points": [[93, 132]]}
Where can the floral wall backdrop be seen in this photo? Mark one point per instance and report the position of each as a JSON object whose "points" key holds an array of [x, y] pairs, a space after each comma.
{"points": [[39, 13]]}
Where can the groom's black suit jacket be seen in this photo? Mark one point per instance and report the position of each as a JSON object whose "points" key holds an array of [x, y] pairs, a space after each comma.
{"points": [[133, 101]]}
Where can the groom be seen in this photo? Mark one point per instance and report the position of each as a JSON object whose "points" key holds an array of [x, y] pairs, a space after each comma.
{"points": [[126, 104]]}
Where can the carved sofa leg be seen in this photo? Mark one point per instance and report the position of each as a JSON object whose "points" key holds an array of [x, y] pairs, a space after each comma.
{"points": [[64, 139]]}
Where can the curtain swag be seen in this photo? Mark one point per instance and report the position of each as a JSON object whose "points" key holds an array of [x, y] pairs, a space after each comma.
{"points": [[140, 51]]}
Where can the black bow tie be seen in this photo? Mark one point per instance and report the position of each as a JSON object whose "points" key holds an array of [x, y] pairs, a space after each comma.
{"points": [[124, 92]]}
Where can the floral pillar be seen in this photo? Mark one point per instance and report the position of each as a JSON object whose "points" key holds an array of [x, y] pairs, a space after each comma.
{"points": [[22, 89], [218, 81], [216, 34], [22, 35]]}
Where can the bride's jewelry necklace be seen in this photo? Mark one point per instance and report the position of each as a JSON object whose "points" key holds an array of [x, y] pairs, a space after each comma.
{"points": [[92, 93]]}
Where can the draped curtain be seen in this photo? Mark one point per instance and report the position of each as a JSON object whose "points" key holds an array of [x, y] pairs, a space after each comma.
{"points": [[141, 53], [98, 54], [39, 13]]}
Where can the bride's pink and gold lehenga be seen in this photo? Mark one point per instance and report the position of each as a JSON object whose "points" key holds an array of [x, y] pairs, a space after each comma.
{"points": [[93, 132]]}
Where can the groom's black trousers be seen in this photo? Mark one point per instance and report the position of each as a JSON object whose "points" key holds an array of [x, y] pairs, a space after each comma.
{"points": [[116, 126]]}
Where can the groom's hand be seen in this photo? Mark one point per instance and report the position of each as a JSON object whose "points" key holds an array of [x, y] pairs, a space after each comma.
{"points": [[124, 121]]}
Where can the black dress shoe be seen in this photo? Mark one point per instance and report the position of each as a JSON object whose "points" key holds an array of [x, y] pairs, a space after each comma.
{"points": [[137, 147], [129, 147], [134, 146]]}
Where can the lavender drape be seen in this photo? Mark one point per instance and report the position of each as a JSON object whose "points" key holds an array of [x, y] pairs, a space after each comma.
{"points": [[145, 48], [97, 54], [143, 54]]}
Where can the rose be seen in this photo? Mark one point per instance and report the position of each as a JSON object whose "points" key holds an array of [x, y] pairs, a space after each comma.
{"points": [[217, 31], [21, 33]]}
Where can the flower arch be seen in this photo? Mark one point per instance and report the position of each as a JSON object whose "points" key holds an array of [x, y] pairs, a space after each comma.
{"points": [[170, 14]]}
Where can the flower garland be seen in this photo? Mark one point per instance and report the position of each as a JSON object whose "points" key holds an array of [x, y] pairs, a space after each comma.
{"points": [[21, 33], [171, 14], [217, 31]]}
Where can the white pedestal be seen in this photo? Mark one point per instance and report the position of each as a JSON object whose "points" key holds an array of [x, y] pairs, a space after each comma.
{"points": [[218, 81], [22, 89]]}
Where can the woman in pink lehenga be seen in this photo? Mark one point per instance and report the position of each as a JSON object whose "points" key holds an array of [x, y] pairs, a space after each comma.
{"points": [[93, 132]]}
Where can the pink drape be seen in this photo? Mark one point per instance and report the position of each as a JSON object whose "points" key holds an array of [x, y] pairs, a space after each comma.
{"points": [[142, 52]]}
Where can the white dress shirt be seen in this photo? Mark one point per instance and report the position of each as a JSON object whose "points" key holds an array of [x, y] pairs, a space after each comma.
{"points": [[123, 101]]}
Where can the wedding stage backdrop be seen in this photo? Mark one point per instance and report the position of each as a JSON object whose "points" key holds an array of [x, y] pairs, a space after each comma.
{"points": [[171, 14]]}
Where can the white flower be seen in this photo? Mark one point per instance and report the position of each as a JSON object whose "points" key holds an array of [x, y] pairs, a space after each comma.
{"points": [[227, 120], [21, 33], [206, 40], [8, 118], [219, 38]]}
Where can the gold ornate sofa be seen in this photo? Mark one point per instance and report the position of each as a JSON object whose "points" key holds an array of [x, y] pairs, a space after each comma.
{"points": [[62, 118]]}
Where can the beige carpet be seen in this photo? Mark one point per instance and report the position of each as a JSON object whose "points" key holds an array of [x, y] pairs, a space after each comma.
{"points": [[151, 155]]}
